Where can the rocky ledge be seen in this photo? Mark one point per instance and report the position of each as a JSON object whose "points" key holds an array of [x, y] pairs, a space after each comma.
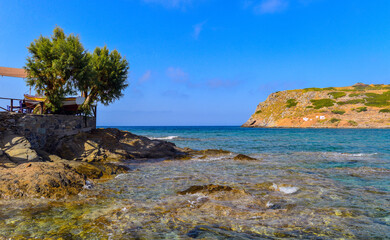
{"points": [[68, 165]]}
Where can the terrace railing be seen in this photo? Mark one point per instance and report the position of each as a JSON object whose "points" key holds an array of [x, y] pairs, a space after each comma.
{"points": [[15, 105]]}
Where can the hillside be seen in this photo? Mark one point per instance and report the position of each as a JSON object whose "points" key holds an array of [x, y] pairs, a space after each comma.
{"points": [[357, 106]]}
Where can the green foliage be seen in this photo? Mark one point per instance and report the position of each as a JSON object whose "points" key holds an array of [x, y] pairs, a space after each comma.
{"points": [[385, 110], [108, 78], [353, 123], [309, 107], [371, 87], [355, 94], [320, 103], [361, 109], [334, 120], [337, 94], [341, 112], [258, 112], [59, 66], [52, 66], [352, 101], [329, 88], [318, 89], [291, 103], [378, 100]]}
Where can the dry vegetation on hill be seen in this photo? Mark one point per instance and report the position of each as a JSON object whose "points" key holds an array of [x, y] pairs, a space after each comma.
{"points": [[357, 106]]}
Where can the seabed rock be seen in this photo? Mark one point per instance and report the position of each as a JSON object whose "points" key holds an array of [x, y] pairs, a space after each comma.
{"points": [[242, 157]]}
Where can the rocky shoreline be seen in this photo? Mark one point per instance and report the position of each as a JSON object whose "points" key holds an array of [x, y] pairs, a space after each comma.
{"points": [[71, 164]]}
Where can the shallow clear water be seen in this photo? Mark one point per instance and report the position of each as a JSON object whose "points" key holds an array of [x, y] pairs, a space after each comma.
{"points": [[306, 183]]}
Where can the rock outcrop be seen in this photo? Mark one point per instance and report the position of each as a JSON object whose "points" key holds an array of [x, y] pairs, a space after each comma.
{"points": [[68, 165], [358, 106]]}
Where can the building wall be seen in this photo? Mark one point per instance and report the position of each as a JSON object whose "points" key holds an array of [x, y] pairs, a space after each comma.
{"points": [[40, 129]]}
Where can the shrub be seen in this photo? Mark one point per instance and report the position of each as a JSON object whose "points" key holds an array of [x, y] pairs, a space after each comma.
{"points": [[378, 100], [361, 109], [355, 94], [309, 107], [329, 88], [312, 89], [353, 101], [353, 123], [334, 120], [320, 103], [257, 112], [291, 103], [341, 112], [337, 94], [385, 110]]}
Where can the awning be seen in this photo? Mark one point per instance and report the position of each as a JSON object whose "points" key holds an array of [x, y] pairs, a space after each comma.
{"points": [[13, 72]]}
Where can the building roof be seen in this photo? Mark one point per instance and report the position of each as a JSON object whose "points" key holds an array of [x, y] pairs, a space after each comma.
{"points": [[13, 72]]}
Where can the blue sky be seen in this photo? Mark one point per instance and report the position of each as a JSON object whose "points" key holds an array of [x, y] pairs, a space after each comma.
{"points": [[209, 62]]}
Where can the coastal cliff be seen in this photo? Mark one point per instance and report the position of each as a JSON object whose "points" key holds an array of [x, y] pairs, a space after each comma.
{"points": [[357, 106]]}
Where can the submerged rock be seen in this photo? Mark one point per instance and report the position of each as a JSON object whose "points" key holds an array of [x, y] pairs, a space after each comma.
{"points": [[242, 157], [205, 189]]}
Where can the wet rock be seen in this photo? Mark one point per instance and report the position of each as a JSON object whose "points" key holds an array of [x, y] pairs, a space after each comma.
{"points": [[39, 179], [206, 232], [213, 152], [242, 157], [211, 188]]}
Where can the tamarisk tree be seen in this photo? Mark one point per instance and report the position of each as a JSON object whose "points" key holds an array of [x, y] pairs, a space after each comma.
{"points": [[107, 79], [59, 66]]}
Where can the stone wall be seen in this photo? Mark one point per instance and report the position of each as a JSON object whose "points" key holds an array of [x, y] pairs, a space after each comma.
{"points": [[40, 129]]}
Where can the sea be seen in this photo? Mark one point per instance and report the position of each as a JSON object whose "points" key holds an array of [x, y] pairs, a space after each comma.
{"points": [[302, 184]]}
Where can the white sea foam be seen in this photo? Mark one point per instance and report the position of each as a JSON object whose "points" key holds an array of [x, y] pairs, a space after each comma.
{"points": [[286, 190], [164, 138]]}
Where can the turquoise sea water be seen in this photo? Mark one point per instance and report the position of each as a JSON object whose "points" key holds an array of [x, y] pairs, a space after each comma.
{"points": [[305, 184]]}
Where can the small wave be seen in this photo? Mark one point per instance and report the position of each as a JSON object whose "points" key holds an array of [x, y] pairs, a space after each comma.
{"points": [[353, 154], [164, 138]]}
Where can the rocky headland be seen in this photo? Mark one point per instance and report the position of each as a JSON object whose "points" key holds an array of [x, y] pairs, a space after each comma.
{"points": [[357, 106]]}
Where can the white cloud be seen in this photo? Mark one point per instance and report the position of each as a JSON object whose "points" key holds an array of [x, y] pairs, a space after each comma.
{"points": [[171, 3], [198, 29], [270, 6], [145, 77], [177, 75]]}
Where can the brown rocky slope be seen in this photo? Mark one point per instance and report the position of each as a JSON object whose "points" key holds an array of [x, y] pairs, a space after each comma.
{"points": [[357, 106]]}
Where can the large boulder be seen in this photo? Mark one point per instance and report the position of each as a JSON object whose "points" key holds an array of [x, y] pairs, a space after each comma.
{"points": [[18, 148], [40, 179], [111, 145]]}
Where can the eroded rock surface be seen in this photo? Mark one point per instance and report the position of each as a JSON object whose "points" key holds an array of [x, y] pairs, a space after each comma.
{"points": [[63, 167], [40, 179], [111, 145]]}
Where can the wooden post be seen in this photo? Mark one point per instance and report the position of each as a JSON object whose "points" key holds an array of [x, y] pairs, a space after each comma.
{"points": [[12, 105], [41, 104]]}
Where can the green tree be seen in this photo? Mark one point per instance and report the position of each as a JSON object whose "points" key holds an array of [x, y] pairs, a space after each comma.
{"points": [[59, 66], [107, 79], [54, 64]]}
